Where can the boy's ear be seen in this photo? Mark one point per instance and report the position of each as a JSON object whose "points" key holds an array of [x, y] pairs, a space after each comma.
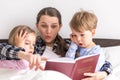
{"points": [[93, 32]]}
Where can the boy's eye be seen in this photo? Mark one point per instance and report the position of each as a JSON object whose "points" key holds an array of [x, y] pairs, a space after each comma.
{"points": [[73, 35], [81, 34]]}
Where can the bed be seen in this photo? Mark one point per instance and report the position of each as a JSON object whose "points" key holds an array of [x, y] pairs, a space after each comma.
{"points": [[111, 48]]}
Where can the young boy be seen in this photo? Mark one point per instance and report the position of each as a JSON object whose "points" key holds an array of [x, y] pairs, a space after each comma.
{"points": [[83, 26]]}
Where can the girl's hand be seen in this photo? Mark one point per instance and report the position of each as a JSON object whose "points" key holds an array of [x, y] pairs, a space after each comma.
{"points": [[20, 39], [33, 59], [95, 76]]}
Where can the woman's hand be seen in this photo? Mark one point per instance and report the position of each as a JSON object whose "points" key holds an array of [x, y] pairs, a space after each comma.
{"points": [[33, 59], [95, 76]]}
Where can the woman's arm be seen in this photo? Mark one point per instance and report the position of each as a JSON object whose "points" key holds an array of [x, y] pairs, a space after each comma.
{"points": [[107, 67]]}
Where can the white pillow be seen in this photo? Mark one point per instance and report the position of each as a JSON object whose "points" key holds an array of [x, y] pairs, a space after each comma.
{"points": [[113, 55]]}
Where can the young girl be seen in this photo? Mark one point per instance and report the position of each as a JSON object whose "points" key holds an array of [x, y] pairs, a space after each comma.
{"points": [[23, 38], [83, 26]]}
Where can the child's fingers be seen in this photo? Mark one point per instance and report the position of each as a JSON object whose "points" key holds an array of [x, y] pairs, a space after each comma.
{"points": [[44, 58], [35, 62], [31, 61], [24, 33]]}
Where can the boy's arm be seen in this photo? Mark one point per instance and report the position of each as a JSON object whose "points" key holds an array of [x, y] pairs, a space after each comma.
{"points": [[72, 50], [8, 51]]}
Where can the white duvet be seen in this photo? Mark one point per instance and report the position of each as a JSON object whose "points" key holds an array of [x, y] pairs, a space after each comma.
{"points": [[7, 74]]}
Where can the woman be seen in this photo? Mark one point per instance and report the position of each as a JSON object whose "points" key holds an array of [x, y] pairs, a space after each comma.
{"points": [[49, 24]]}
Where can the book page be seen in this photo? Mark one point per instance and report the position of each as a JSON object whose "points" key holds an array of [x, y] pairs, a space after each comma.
{"points": [[62, 59], [85, 56]]}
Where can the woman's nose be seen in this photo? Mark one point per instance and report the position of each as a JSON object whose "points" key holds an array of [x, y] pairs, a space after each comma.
{"points": [[49, 30]]}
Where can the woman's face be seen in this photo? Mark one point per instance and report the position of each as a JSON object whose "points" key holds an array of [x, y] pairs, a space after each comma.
{"points": [[48, 27]]}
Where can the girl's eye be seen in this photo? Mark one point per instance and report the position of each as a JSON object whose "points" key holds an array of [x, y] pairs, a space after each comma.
{"points": [[27, 43]]}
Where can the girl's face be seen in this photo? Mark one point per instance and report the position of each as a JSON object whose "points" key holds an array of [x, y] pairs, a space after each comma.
{"points": [[84, 38], [48, 27], [29, 43]]}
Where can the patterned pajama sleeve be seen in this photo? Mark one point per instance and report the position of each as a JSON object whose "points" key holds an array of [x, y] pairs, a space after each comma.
{"points": [[107, 67], [9, 52]]}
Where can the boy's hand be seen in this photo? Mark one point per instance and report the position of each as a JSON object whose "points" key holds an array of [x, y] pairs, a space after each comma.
{"points": [[95, 76], [72, 38]]}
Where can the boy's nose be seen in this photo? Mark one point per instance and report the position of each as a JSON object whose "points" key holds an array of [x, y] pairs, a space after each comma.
{"points": [[78, 38]]}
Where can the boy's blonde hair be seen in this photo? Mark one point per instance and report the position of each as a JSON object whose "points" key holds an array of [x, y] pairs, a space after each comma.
{"points": [[16, 31], [83, 20]]}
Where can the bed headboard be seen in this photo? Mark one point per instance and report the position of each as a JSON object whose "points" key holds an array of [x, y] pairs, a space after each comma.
{"points": [[107, 42], [100, 41], [3, 40]]}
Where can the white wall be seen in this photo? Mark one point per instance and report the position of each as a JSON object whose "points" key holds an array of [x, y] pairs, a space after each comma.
{"points": [[14, 12]]}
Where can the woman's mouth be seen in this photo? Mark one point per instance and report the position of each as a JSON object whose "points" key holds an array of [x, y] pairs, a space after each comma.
{"points": [[48, 37]]}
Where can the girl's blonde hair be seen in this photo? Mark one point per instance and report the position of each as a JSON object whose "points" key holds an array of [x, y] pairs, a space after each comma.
{"points": [[83, 20], [16, 31]]}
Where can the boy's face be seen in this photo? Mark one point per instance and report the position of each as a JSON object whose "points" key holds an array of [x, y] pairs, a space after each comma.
{"points": [[82, 39], [29, 43]]}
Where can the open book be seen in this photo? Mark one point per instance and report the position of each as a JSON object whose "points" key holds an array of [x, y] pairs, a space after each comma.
{"points": [[73, 68]]}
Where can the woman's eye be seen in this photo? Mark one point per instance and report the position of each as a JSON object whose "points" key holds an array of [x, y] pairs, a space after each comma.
{"points": [[44, 26], [54, 26]]}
